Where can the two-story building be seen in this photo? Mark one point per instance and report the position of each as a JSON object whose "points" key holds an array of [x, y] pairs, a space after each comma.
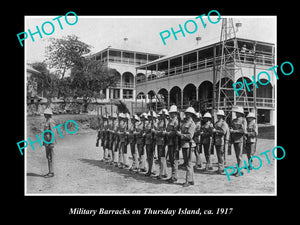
{"points": [[187, 78], [125, 62]]}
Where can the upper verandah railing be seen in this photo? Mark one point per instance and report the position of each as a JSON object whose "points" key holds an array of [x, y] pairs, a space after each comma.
{"points": [[246, 58]]}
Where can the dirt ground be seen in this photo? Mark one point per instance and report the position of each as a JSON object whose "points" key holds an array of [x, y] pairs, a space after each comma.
{"points": [[79, 171]]}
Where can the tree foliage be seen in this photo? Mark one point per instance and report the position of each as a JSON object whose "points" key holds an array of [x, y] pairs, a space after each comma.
{"points": [[65, 53], [88, 76], [47, 82]]}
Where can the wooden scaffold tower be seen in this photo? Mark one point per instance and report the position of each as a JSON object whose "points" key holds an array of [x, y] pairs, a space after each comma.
{"points": [[227, 66]]}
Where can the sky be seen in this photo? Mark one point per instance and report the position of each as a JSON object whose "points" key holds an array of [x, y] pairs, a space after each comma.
{"points": [[142, 32]]}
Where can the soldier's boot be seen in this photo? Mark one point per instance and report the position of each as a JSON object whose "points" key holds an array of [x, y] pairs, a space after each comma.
{"points": [[198, 162], [125, 160], [105, 153], [163, 167], [143, 163], [111, 161], [116, 158], [208, 163]]}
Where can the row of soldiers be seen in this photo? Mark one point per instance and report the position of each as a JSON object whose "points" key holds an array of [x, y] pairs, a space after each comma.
{"points": [[170, 134]]}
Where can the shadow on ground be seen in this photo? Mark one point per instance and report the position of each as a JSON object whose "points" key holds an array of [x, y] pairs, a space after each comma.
{"points": [[125, 172], [35, 175]]}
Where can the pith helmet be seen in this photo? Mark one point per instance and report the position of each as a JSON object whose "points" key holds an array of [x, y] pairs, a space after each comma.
{"points": [[152, 114], [198, 115], [124, 116], [127, 116], [190, 110], [144, 115], [238, 109], [121, 115], [163, 111], [207, 115], [220, 113], [173, 108], [135, 117], [251, 115], [48, 111]]}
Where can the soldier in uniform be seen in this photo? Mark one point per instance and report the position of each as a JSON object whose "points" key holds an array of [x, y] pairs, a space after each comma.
{"points": [[132, 142], [122, 130], [221, 139], [251, 134], [188, 144], [172, 142], [111, 137], [206, 133], [149, 141], [197, 139], [106, 143], [140, 141], [237, 131], [48, 124], [116, 139], [160, 137], [104, 137], [100, 135]]}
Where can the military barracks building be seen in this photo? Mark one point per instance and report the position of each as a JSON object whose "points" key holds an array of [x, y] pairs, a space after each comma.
{"points": [[125, 62], [186, 78]]}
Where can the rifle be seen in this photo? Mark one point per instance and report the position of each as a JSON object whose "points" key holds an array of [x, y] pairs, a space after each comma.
{"points": [[151, 113], [164, 118], [127, 124], [178, 138], [211, 147]]}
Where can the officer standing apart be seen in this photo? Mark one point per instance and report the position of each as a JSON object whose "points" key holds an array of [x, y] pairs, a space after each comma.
{"points": [[221, 139], [252, 132], [237, 131], [188, 144], [172, 142], [48, 124]]}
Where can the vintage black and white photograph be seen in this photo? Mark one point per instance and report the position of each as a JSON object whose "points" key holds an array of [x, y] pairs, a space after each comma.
{"points": [[150, 105]]}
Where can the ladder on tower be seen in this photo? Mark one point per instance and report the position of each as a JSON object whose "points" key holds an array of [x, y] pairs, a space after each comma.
{"points": [[227, 69]]}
